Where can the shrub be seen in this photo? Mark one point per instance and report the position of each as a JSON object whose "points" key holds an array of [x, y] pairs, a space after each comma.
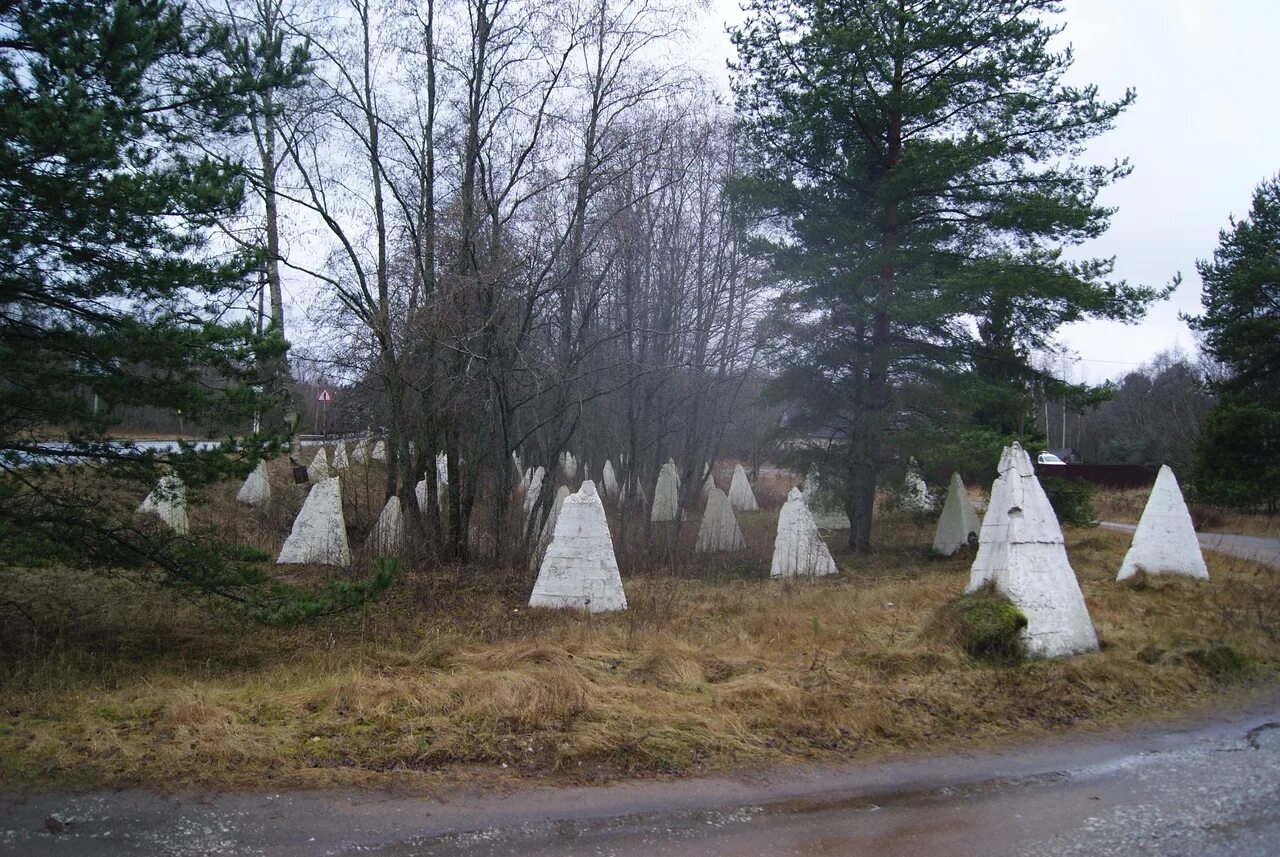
{"points": [[1072, 501]]}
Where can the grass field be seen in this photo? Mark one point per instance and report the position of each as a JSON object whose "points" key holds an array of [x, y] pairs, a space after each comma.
{"points": [[451, 679]]}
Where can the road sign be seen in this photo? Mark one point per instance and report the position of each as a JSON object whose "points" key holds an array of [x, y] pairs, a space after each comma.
{"points": [[324, 395]]}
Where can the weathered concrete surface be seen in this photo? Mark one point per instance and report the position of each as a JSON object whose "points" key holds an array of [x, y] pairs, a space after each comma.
{"points": [[360, 453], [168, 502], [1256, 548], [339, 461], [387, 535], [1209, 788], [442, 474], [318, 469], [579, 569], [958, 521], [1165, 540], [798, 550], [740, 493], [379, 452], [568, 466], [256, 490], [610, 480], [915, 493], [319, 532], [827, 514], [666, 494], [1022, 552], [719, 530], [548, 528], [533, 490]]}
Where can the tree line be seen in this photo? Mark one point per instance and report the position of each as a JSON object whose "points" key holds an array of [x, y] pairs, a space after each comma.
{"points": [[529, 228]]}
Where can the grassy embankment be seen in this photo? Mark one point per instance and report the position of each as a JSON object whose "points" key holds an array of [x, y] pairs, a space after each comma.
{"points": [[452, 678]]}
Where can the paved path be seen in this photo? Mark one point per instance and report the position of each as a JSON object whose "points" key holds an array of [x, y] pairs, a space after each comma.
{"points": [[1210, 789], [1257, 548]]}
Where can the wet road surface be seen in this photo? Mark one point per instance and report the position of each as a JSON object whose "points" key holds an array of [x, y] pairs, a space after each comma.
{"points": [[1206, 789], [1257, 548]]}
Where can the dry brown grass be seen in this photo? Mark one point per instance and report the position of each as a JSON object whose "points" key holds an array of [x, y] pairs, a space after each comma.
{"points": [[451, 677], [1125, 506]]}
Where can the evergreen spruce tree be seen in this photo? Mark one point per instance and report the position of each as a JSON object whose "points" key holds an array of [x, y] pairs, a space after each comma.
{"points": [[111, 295], [1237, 453], [915, 182]]}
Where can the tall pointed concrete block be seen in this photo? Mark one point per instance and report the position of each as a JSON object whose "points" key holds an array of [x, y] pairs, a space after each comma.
{"points": [[168, 502], [959, 520], [993, 535], [319, 532], [548, 528], [568, 466], [535, 488], [827, 514], [360, 453], [387, 536], [1165, 541], [709, 484], [379, 451], [318, 469], [719, 530], [442, 473], [339, 461], [666, 494], [798, 550], [740, 493], [256, 490], [1032, 569], [915, 493], [610, 479], [580, 569]]}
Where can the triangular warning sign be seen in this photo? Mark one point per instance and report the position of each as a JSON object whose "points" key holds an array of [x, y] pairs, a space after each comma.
{"points": [[324, 395]]}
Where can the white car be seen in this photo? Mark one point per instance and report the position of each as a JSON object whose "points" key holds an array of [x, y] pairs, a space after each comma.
{"points": [[1048, 458]]}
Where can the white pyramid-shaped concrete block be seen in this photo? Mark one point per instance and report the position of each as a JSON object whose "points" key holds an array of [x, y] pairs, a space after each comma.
{"points": [[442, 473], [524, 480], [318, 469], [610, 479], [709, 485], [579, 568], [339, 461], [387, 535], [1036, 574], [957, 521], [168, 502], [666, 494], [568, 466], [719, 530], [535, 489], [319, 532], [826, 513], [548, 528], [1165, 541], [379, 452], [915, 493], [740, 493], [256, 490], [799, 551], [360, 453], [993, 535]]}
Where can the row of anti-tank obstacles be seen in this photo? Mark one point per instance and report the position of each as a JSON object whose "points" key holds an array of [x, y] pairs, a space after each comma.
{"points": [[1020, 547]]}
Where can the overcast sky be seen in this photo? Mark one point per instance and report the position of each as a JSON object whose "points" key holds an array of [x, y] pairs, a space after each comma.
{"points": [[1203, 133]]}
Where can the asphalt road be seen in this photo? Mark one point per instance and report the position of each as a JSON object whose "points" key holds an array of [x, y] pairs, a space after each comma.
{"points": [[1257, 548], [1207, 789]]}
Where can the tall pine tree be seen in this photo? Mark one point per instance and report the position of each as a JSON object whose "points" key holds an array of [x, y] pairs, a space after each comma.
{"points": [[1237, 454], [111, 295], [915, 182]]}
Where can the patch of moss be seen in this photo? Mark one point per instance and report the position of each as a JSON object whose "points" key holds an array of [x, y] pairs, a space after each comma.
{"points": [[985, 625], [1223, 662]]}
